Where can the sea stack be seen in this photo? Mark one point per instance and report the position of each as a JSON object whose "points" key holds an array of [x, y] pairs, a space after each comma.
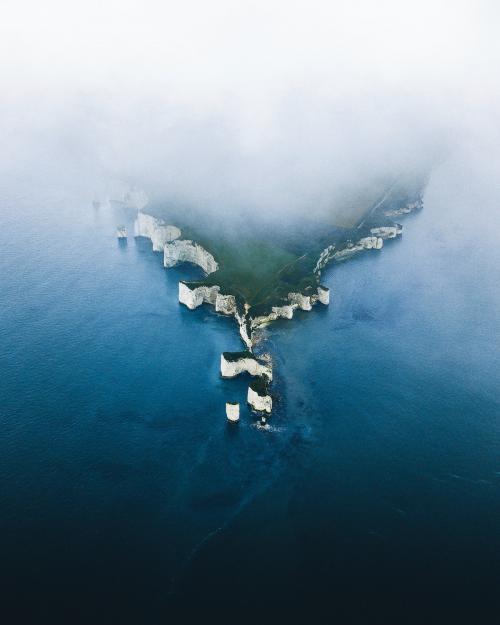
{"points": [[233, 412], [121, 232]]}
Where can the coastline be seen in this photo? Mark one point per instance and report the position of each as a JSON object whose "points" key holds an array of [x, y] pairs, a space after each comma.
{"points": [[376, 227]]}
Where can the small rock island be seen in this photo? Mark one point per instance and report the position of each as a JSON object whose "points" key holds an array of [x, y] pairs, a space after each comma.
{"points": [[232, 411], [121, 232]]}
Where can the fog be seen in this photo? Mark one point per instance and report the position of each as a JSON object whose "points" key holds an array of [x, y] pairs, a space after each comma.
{"points": [[250, 107]]}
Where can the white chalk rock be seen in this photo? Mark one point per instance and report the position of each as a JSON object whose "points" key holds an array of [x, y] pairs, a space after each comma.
{"points": [[324, 295], [155, 229], [185, 251], [371, 243], [406, 208], [232, 412], [387, 232], [192, 298], [324, 258], [366, 243], [346, 253], [283, 312], [261, 403], [277, 312], [225, 304], [301, 301], [245, 334], [230, 368], [304, 302]]}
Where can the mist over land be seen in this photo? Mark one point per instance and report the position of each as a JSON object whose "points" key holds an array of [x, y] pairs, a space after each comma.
{"points": [[266, 109]]}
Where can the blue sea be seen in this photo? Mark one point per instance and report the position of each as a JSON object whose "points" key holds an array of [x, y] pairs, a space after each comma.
{"points": [[126, 497]]}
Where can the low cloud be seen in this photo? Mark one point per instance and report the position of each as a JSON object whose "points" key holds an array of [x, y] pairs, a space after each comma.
{"points": [[272, 107]]}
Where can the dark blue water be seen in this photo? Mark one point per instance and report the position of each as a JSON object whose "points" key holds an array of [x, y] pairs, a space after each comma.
{"points": [[125, 496]]}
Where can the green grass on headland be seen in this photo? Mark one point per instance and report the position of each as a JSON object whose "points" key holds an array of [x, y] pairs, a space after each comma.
{"points": [[260, 262]]}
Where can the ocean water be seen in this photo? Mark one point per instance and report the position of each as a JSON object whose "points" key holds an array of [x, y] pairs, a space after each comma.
{"points": [[127, 498]]}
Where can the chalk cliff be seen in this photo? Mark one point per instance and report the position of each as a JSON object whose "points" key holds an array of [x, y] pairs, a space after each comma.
{"points": [[234, 363], [297, 300], [260, 403], [185, 251], [373, 242], [245, 328], [324, 258], [225, 304], [155, 229], [300, 301], [323, 295], [387, 232], [194, 297], [405, 209], [365, 243]]}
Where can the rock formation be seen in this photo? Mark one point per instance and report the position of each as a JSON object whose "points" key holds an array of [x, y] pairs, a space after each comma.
{"points": [[233, 412], [323, 295], [185, 251], [407, 208], [194, 297], [387, 232], [155, 229], [225, 304], [234, 363], [260, 403], [298, 300], [365, 243]]}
